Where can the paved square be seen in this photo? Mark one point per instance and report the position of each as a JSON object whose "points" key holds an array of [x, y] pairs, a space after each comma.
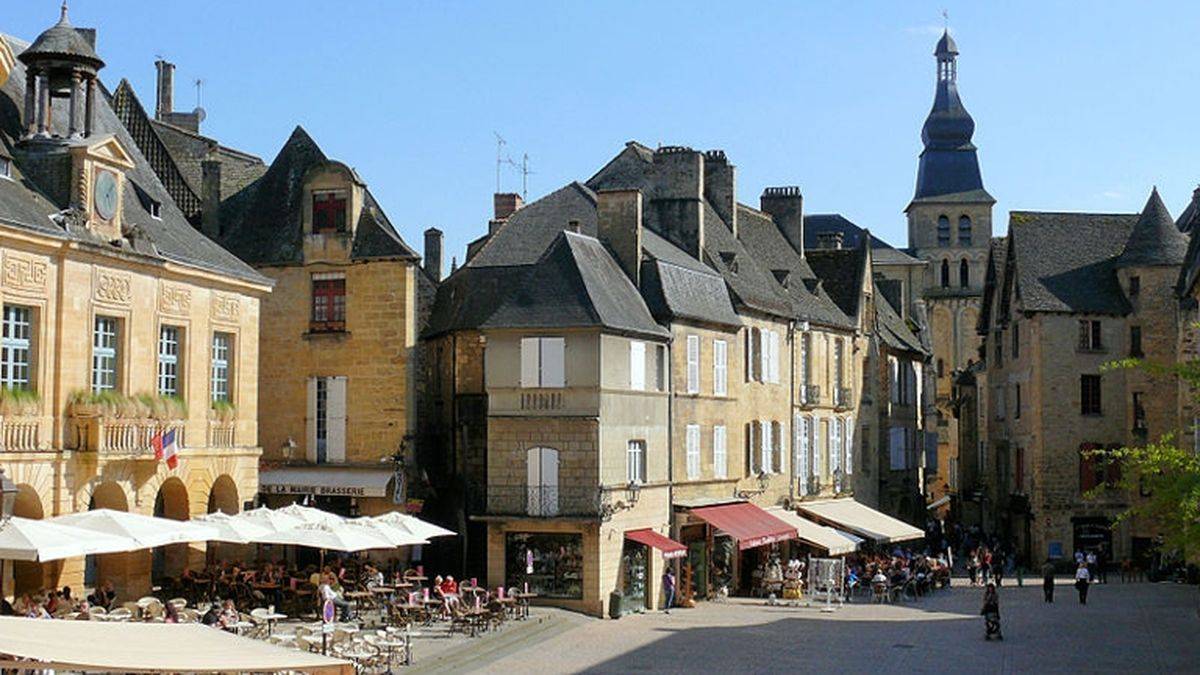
{"points": [[1134, 628]]}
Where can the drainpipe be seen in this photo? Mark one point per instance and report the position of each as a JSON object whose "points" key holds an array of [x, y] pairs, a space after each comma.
{"points": [[792, 409]]}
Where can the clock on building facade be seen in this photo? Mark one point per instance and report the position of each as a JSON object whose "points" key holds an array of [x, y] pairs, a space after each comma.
{"points": [[106, 194]]}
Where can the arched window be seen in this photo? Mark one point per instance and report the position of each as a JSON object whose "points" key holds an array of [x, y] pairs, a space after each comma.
{"points": [[943, 231], [964, 231], [964, 273], [945, 274], [541, 465]]}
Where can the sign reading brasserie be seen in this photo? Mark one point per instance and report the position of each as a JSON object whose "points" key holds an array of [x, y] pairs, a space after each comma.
{"points": [[320, 490]]}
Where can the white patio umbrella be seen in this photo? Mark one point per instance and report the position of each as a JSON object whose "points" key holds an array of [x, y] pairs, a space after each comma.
{"points": [[43, 541], [399, 536], [413, 525], [147, 531], [271, 519], [345, 537], [308, 514], [233, 529]]}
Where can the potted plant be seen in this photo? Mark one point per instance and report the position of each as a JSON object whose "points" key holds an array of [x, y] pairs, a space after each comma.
{"points": [[223, 411], [18, 402]]}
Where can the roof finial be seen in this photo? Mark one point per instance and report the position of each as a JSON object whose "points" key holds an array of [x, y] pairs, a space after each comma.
{"points": [[63, 17], [945, 19]]}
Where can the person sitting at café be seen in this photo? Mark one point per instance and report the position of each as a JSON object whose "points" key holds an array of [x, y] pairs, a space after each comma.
{"points": [[67, 600], [213, 616], [371, 576], [170, 613], [229, 615], [329, 592], [103, 596]]}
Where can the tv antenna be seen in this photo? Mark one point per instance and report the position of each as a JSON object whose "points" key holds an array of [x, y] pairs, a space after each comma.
{"points": [[500, 158], [525, 172], [199, 88]]}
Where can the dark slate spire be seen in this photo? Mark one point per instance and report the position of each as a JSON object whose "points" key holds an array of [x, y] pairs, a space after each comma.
{"points": [[62, 41], [948, 162], [1154, 241]]}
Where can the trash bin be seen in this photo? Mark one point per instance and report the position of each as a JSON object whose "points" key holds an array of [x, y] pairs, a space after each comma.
{"points": [[615, 600]]}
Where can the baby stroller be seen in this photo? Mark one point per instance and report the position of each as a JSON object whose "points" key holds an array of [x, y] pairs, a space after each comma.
{"points": [[991, 623]]}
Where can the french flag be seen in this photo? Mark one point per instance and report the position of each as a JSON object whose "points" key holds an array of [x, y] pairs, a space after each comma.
{"points": [[165, 447]]}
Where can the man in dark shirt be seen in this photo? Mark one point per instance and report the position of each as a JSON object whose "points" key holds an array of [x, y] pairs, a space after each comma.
{"points": [[1048, 580]]}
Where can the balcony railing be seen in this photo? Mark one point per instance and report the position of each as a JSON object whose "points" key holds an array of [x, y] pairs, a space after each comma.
{"points": [[810, 394], [842, 398], [544, 501], [20, 434], [221, 434], [122, 436], [541, 400]]}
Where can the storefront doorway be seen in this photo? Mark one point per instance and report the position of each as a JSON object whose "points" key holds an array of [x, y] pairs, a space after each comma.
{"points": [[635, 566], [1092, 534], [551, 564]]}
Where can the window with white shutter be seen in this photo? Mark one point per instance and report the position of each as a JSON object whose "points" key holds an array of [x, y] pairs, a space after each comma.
{"points": [[849, 439], [693, 364], [778, 443], [819, 431], [637, 365], [720, 456], [753, 454], [543, 362], [693, 451], [803, 425], [894, 379], [764, 435], [764, 353], [720, 368], [835, 446], [335, 440]]}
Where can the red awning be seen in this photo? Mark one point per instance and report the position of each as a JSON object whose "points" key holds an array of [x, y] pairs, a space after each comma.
{"points": [[747, 523], [669, 547]]}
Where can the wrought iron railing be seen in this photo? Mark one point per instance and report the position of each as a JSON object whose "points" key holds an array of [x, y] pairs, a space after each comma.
{"points": [[810, 394], [544, 501]]}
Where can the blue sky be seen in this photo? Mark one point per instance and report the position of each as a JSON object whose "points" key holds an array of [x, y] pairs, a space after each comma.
{"points": [[1078, 106]]}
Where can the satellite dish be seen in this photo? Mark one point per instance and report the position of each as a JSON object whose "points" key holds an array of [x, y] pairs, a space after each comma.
{"points": [[199, 113]]}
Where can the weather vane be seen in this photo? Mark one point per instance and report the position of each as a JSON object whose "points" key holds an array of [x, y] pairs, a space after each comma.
{"points": [[946, 19]]}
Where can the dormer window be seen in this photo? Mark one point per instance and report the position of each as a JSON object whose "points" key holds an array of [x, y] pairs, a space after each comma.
{"points": [[730, 260], [329, 211], [156, 210], [781, 276]]}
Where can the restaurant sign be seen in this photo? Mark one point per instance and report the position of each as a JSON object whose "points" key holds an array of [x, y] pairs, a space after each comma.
{"points": [[318, 490]]}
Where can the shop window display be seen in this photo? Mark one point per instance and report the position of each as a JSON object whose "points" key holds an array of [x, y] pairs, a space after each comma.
{"points": [[552, 564]]}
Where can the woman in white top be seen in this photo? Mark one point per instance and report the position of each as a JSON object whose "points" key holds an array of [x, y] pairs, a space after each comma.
{"points": [[1082, 580]]}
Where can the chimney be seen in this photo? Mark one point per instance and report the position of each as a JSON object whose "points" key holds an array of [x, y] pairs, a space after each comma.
{"points": [[210, 198], [677, 206], [830, 240], [165, 99], [720, 187], [786, 206], [619, 226], [433, 253], [504, 204], [573, 226]]}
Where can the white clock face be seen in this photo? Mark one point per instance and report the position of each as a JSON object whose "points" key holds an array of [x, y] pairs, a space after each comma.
{"points": [[106, 194]]}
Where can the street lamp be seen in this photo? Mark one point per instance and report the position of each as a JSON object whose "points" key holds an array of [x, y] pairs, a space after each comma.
{"points": [[288, 449], [8, 497]]}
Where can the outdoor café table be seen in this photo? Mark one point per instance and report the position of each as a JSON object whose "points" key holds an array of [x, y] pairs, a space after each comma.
{"points": [[524, 599], [391, 644], [271, 618], [240, 626], [475, 619]]}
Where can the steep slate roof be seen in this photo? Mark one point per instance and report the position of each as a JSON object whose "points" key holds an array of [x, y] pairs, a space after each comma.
{"points": [[469, 296], [677, 286], [263, 223], [26, 204], [1065, 262], [576, 284], [842, 272], [177, 154], [852, 236], [63, 39], [1155, 241], [997, 254], [533, 227], [764, 241], [892, 329]]}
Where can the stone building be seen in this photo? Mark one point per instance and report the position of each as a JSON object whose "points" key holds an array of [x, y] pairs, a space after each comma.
{"points": [[761, 375], [949, 227], [1056, 313], [120, 321], [339, 334]]}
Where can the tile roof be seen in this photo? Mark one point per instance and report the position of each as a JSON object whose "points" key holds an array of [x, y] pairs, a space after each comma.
{"points": [[852, 236], [262, 223], [576, 284], [1065, 262], [1155, 240], [30, 203]]}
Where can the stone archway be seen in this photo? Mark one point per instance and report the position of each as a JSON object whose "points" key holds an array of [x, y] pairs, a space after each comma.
{"points": [[170, 502], [223, 496], [114, 567], [29, 577]]}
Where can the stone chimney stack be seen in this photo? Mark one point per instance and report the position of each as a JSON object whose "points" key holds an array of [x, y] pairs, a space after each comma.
{"points": [[504, 204], [829, 240], [433, 253], [210, 198], [786, 206], [164, 103], [677, 200], [619, 226], [720, 187]]}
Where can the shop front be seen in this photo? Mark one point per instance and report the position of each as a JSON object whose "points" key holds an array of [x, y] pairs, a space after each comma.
{"points": [[855, 518], [732, 548], [547, 563], [345, 490], [636, 567]]}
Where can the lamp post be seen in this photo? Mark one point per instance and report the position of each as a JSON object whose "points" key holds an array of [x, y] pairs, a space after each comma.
{"points": [[8, 502]]}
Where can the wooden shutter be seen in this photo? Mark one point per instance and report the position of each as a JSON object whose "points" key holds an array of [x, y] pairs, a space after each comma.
{"points": [[530, 369], [849, 440], [720, 457], [554, 362], [637, 365], [835, 445], [693, 364], [310, 422], [335, 406]]}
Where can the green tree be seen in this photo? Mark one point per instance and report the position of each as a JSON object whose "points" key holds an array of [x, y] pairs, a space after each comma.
{"points": [[1163, 472]]}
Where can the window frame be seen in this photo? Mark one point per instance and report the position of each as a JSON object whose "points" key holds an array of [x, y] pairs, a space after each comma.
{"points": [[693, 363], [635, 461], [106, 353], [964, 227], [720, 451], [720, 368], [943, 231], [692, 451], [1091, 401], [327, 303], [637, 365], [339, 224], [17, 320], [221, 367], [169, 365], [1091, 335], [543, 347]]}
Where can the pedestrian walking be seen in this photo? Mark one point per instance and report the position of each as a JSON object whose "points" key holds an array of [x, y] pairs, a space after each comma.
{"points": [[972, 565], [991, 613], [1048, 580], [668, 584], [1083, 579], [1093, 574]]}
